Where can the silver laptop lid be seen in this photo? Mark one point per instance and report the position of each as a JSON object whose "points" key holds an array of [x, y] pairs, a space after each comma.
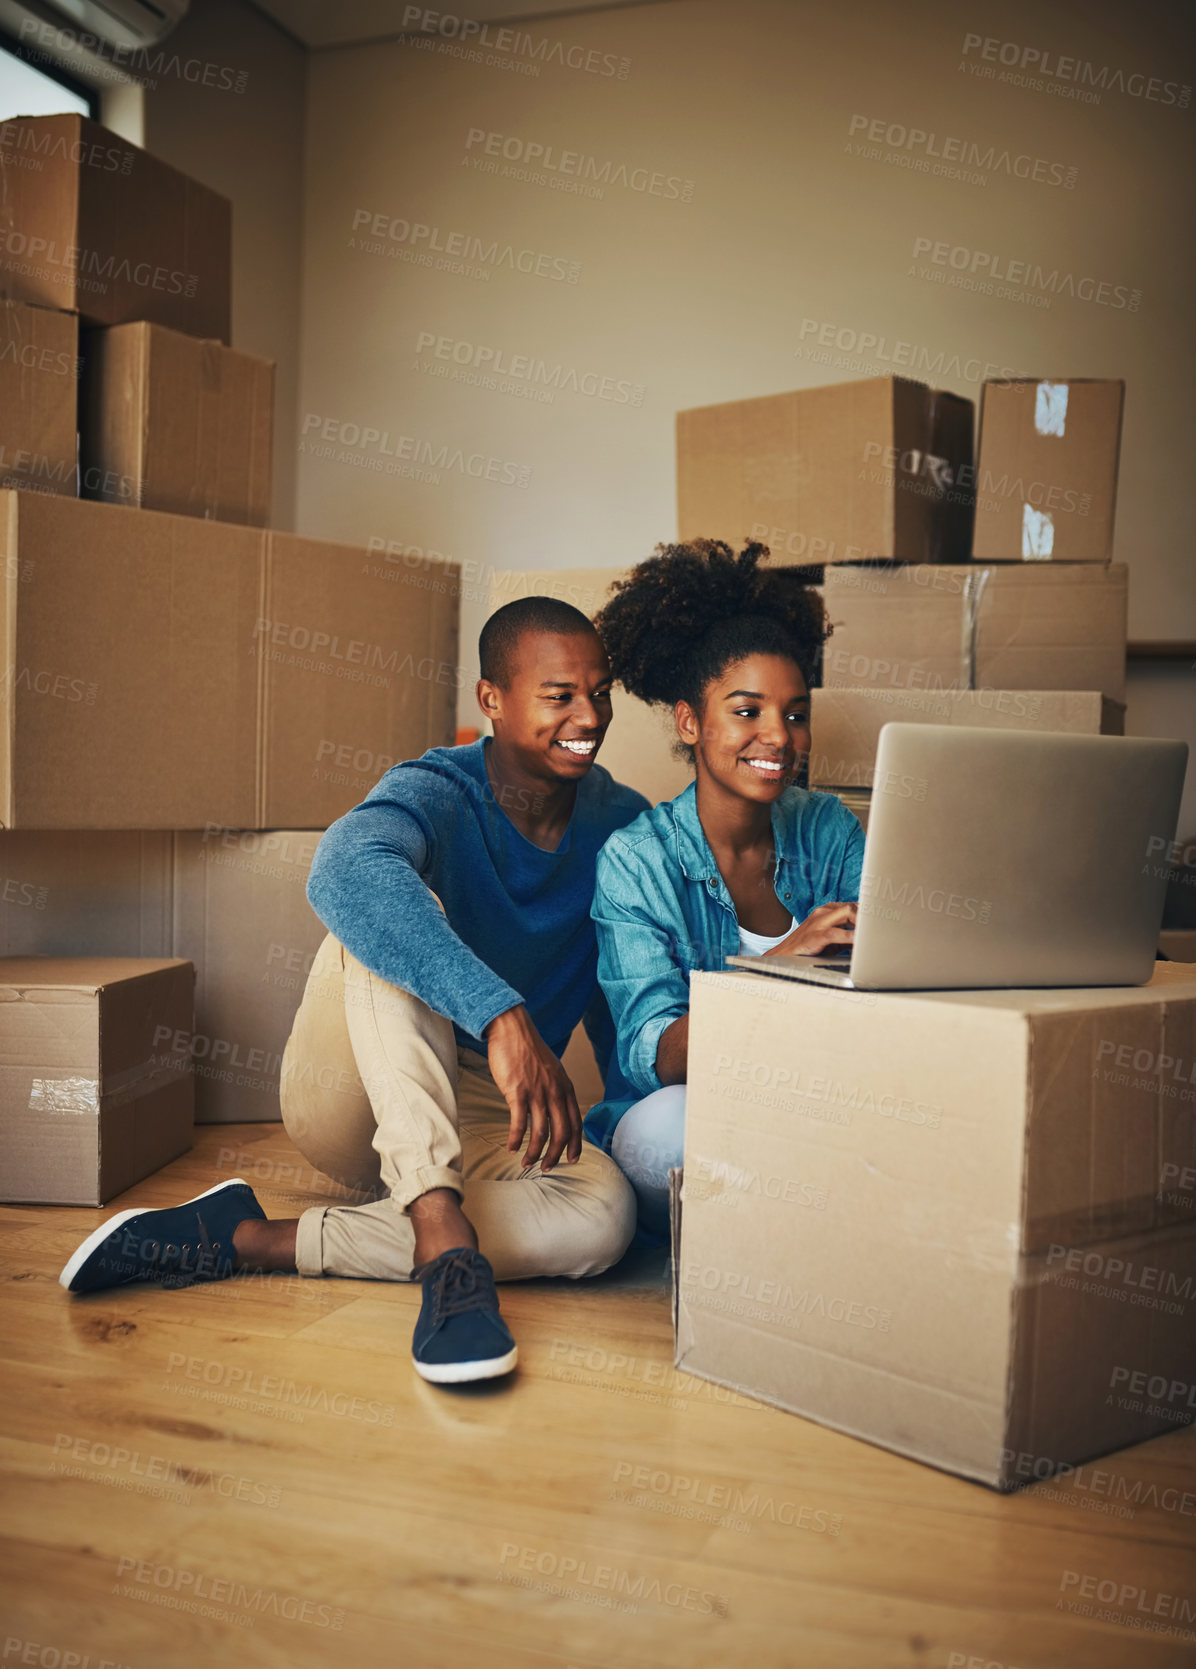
{"points": [[1013, 858]]}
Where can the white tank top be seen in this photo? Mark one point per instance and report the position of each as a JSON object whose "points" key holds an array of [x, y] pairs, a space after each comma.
{"points": [[755, 944]]}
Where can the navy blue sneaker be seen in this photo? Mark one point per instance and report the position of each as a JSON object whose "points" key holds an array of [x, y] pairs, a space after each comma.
{"points": [[460, 1335], [177, 1246]]}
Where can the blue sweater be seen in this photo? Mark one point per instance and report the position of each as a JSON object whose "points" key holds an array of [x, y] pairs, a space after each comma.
{"points": [[516, 924]]}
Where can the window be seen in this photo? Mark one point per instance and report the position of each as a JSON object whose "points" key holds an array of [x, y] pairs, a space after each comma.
{"points": [[43, 89]]}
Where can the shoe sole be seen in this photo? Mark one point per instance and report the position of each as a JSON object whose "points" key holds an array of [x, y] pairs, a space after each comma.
{"points": [[459, 1373], [97, 1238]]}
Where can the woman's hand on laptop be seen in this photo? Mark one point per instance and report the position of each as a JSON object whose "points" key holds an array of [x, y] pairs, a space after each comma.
{"points": [[822, 932], [536, 1088]]}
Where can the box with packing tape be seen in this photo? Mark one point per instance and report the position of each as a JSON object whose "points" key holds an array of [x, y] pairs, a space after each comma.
{"points": [[39, 369], [991, 1270], [99, 227], [232, 901], [1046, 479], [852, 472], [87, 1106], [845, 724], [1011, 626]]}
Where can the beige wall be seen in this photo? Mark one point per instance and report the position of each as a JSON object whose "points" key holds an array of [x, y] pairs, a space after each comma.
{"points": [[247, 145], [712, 298]]}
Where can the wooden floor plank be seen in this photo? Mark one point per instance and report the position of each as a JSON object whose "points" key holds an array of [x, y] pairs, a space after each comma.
{"points": [[252, 1469]]}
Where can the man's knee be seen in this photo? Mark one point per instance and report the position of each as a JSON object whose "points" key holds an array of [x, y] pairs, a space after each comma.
{"points": [[600, 1238]]}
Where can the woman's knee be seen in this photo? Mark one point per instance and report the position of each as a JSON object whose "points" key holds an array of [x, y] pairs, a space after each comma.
{"points": [[649, 1140]]}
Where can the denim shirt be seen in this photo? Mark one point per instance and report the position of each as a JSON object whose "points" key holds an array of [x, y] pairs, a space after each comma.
{"points": [[662, 911]]}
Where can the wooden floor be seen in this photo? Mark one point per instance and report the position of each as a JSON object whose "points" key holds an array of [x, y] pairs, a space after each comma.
{"points": [[251, 1473]]}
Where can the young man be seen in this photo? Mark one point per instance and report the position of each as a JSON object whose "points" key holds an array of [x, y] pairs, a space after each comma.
{"points": [[460, 956]]}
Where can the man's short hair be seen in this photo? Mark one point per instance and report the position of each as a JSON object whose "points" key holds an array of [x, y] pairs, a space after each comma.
{"points": [[501, 633]]}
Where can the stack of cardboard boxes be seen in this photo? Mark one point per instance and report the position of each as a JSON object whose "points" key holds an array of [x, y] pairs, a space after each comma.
{"points": [[959, 592], [189, 697], [958, 1224]]}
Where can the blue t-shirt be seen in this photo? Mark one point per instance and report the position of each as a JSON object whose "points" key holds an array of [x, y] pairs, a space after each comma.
{"points": [[515, 926]]}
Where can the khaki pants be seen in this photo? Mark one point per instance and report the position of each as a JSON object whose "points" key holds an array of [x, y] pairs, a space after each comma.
{"points": [[377, 1096]]}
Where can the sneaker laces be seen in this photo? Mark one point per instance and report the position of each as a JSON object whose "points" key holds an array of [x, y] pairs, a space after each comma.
{"points": [[464, 1281], [208, 1260]]}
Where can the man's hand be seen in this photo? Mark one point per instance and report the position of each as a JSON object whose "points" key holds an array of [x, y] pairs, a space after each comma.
{"points": [[536, 1088], [828, 925]]}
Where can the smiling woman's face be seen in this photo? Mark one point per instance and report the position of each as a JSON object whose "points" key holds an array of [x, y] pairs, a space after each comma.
{"points": [[753, 730]]}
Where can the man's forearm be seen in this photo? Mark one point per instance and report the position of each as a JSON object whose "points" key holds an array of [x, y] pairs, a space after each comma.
{"points": [[367, 892], [671, 1052]]}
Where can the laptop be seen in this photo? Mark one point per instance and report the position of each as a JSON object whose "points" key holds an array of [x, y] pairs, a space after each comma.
{"points": [[1007, 858]]}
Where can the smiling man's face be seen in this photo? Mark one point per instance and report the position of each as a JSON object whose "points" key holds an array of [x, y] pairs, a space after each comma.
{"points": [[553, 710]]}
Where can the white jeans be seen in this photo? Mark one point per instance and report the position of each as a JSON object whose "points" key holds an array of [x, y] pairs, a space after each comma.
{"points": [[649, 1142]]}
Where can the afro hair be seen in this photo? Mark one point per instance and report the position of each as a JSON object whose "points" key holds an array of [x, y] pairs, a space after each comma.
{"points": [[686, 614]]}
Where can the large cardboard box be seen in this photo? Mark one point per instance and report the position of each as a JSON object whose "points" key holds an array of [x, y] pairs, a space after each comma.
{"points": [[38, 397], [167, 672], [130, 693], [1046, 481], [87, 1106], [170, 422], [98, 227], [851, 472], [845, 724], [938, 1220], [1014, 626], [233, 902], [638, 747]]}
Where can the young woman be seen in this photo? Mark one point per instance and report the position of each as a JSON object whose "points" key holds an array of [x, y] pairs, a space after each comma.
{"points": [[743, 860]]}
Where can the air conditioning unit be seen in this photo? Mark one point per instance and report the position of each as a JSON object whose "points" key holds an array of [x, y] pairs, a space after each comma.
{"points": [[112, 23]]}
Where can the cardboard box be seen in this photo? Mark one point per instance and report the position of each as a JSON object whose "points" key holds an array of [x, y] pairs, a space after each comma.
{"points": [[579, 1062], [1046, 482], [846, 724], [232, 902], [358, 669], [103, 892], [38, 397], [130, 693], [97, 226], [1179, 907], [268, 680], [170, 422], [939, 1221], [1178, 943], [1011, 627], [86, 1106], [858, 802], [638, 747], [825, 475], [240, 906]]}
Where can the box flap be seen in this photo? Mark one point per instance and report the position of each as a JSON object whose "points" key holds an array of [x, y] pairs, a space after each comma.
{"points": [[86, 974]]}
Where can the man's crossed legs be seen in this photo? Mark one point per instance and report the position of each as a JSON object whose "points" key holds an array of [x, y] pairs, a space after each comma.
{"points": [[376, 1095]]}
